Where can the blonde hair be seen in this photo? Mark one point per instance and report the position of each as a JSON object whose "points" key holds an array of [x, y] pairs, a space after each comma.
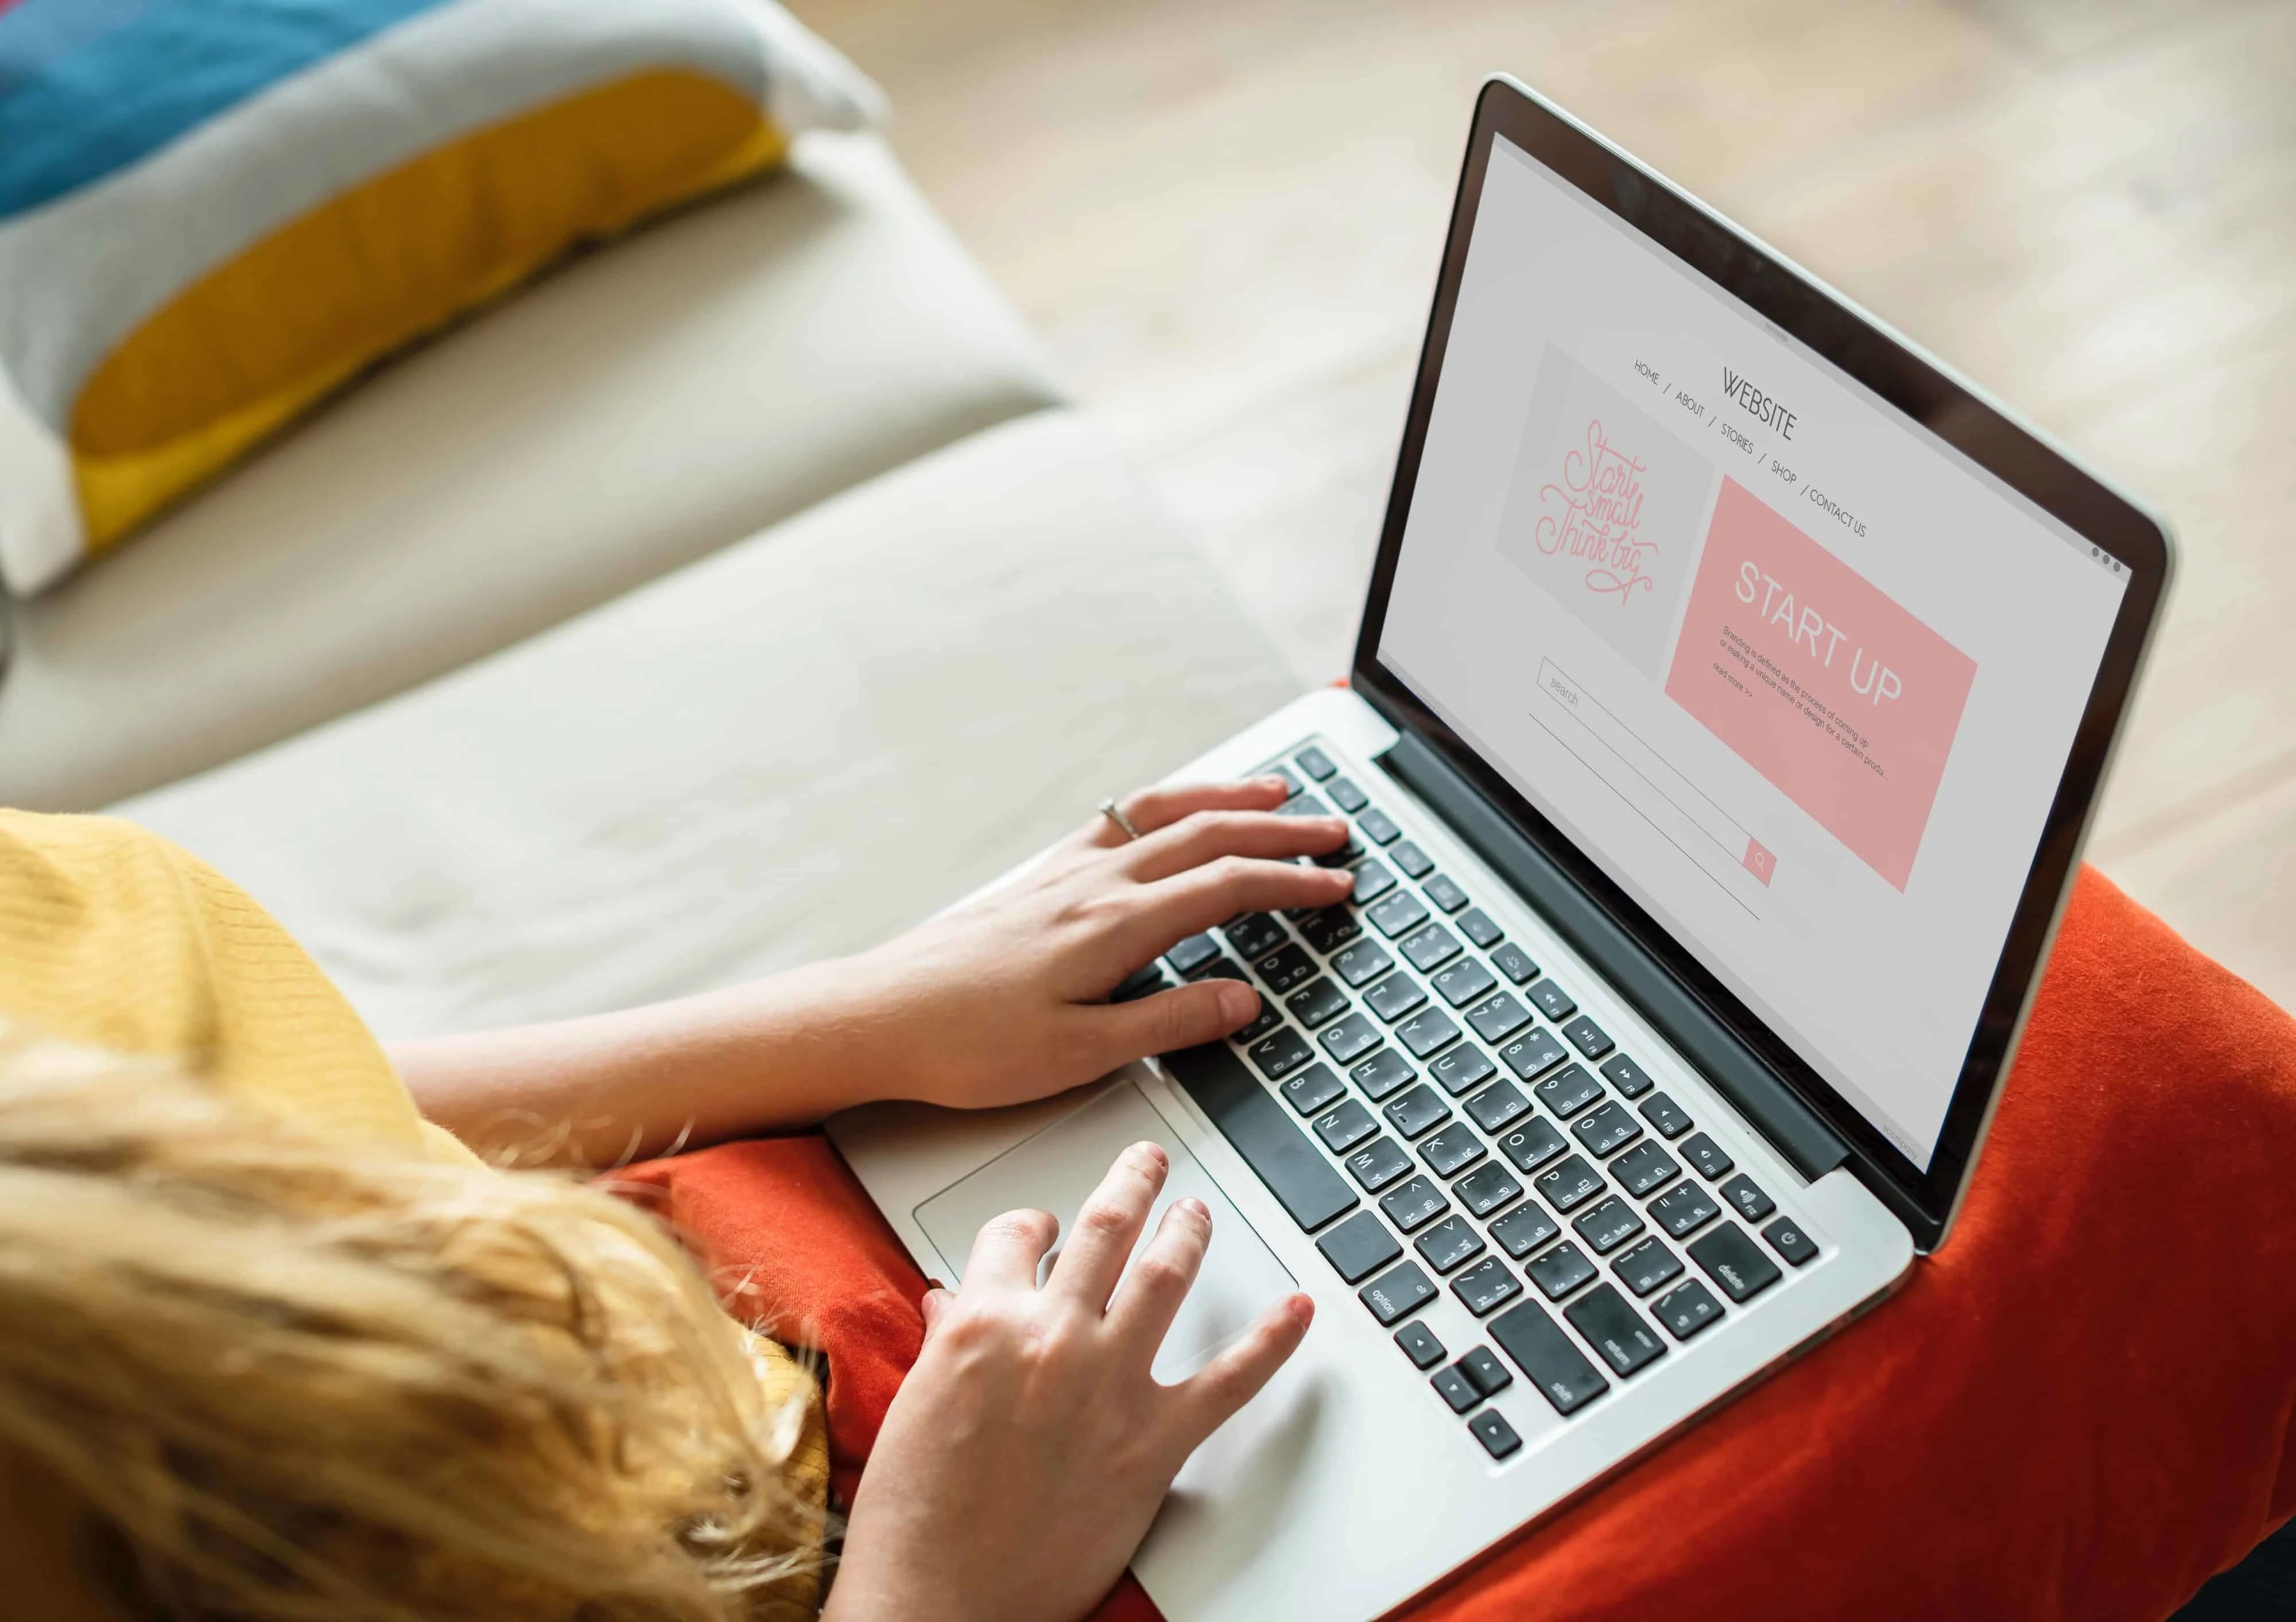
{"points": [[276, 1378]]}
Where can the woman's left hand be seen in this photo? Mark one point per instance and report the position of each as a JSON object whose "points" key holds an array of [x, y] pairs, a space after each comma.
{"points": [[1005, 1000]]}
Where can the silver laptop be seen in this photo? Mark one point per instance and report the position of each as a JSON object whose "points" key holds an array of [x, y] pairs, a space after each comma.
{"points": [[1734, 689]]}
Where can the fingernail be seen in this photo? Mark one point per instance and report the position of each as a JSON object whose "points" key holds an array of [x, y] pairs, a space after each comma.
{"points": [[1270, 782], [1238, 1001], [1151, 1152], [1197, 1208]]}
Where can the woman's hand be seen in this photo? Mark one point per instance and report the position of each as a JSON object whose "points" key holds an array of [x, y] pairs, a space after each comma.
{"points": [[1022, 1461], [1005, 1000]]}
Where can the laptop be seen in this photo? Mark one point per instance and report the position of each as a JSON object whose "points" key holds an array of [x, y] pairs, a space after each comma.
{"points": [[1734, 689]]}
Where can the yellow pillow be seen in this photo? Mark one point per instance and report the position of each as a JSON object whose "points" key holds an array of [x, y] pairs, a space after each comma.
{"points": [[214, 212]]}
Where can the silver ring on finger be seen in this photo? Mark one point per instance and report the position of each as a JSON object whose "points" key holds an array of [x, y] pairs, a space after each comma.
{"points": [[1114, 813]]}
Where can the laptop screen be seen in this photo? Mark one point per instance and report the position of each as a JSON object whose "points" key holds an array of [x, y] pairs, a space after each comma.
{"points": [[1801, 677]]}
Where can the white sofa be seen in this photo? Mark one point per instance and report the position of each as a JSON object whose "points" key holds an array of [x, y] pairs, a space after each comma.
{"points": [[739, 594]]}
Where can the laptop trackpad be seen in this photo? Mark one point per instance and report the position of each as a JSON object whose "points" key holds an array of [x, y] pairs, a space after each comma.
{"points": [[1056, 1171]]}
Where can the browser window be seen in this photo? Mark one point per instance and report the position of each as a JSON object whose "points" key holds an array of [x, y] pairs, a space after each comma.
{"points": [[1798, 676]]}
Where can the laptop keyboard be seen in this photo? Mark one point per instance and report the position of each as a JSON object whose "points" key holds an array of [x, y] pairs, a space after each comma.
{"points": [[1419, 1094]]}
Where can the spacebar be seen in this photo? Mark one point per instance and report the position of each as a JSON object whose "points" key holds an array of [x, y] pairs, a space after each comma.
{"points": [[1262, 1133]]}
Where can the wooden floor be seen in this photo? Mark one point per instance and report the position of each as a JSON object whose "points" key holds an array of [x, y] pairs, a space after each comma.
{"points": [[1223, 215]]}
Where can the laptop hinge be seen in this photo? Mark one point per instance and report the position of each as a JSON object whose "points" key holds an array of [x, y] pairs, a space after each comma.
{"points": [[1735, 1069]]}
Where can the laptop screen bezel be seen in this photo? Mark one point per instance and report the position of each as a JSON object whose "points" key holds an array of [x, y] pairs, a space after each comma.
{"points": [[1776, 291]]}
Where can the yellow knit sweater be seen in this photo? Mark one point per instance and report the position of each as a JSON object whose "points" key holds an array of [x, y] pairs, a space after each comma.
{"points": [[113, 938]]}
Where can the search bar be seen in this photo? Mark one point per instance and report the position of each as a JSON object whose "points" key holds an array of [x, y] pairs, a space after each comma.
{"points": [[1644, 778]]}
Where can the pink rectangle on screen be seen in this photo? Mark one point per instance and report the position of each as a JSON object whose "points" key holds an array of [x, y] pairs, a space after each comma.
{"points": [[1759, 862], [1820, 681]]}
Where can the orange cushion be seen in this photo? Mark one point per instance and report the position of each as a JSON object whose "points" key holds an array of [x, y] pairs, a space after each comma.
{"points": [[2082, 1407]]}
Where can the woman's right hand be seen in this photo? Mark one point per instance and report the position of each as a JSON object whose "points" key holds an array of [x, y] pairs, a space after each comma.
{"points": [[1022, 1461]]}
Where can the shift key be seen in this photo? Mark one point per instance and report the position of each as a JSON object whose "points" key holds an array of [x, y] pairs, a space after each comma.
{"points": [[1262, 1131]]}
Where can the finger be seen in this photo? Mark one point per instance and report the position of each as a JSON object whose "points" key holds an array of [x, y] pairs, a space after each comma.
{"points": [[1210, 1398], [1008, 1248], [1149, 809], [1160, 1278], [1186, 1016], [1204, 836], [934, 1308], [1109, 1225], [1186, 902]]}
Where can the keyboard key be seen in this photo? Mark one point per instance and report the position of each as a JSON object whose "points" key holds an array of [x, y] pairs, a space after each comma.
{"points": [[1624, 1074], [1372, 881], [1345, 855], [1553, 1000], [1280, 1054], [1346, 1125], [1427, 1032], [1384, 1075], [1728, 1257], [1359, 964], [1482, 1366], [1569, 1089], [1461, 1068], [1144, 982], [1377, 1163], [1641, 1268], [1606, 1129], [1327, 929], [1684, 1210], [1418, 1111], [1588, 1037], [1524, 1230], [1457, 1390], [1462, 983], [1570, 1184], [1419, 1345], [1303, 805], [1449, 1244], [1392, 1295], [1221, 969], [1485, 1286], [1532, 1053], [1545, 1354], [1485, 1188], [1560, 1271], [1277, 1151], [1532, 1144], [1430, 949], [1608, 1225], [1395, 996], [1312, 1088], [1686, 1310], [1282, 774], [1377, 826], [1665, 1115], [1349, 1039], [1414, 1203], [1787, 1239], [1317, 1003], [1452, 1151], [1515, 963], [1266, 1020], [1614, 1329], [1743, 1197], [1497, 1017], [1253, 936], [1359, 1247], [1192, 953], [1346, 795], [1496, 1435], [1643, 1168], [1285, 969], [1445, 893], [1706, 1154], [1398, 914], [1313, 761], [1476, 925], [1496, 1105], [1416, 863]]}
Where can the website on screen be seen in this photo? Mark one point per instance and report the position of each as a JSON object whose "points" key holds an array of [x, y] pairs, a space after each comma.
{"points": [[1802, 678]]}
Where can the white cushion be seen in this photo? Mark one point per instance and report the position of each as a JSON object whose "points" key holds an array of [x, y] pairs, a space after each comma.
{"points": [[656, 400], [784, 752]]}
